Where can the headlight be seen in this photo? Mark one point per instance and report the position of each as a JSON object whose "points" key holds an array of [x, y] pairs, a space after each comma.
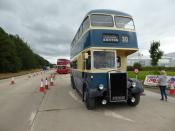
{"points": [[133, 84], [101, 86]]}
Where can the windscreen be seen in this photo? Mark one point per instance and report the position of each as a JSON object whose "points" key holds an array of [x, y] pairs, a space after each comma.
{"points": [[124, 22], [61, 67], [104, 59], [102, 20]]}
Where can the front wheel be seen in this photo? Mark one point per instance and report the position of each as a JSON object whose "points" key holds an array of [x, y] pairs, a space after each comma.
{"points": [[90, 102], [134, 100]]}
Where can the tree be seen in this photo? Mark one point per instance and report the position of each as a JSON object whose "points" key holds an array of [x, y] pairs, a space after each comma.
{"points": [[16, 55], [137, 65], [155, 53], [24, 52], [9, 61]]}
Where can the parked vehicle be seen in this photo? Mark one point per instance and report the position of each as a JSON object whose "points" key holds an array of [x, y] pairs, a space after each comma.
{"points": [[63, 66], [98, 58]]}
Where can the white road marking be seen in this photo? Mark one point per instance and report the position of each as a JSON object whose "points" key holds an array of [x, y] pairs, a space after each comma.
{"points": [[75, 97], [64, 77], [31, 119], [115, 115], [31, 129]]}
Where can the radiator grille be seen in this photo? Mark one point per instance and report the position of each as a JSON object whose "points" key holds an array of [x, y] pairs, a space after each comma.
{"points": [[118, 86]]}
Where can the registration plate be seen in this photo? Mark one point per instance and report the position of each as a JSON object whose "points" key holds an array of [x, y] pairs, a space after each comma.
{"points": [[117, 98]]}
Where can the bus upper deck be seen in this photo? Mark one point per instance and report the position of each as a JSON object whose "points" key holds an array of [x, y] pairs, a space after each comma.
{"points": [[108, 29]]}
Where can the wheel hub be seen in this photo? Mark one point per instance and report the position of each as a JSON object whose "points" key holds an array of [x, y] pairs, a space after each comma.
{"points": [[133, 99]]}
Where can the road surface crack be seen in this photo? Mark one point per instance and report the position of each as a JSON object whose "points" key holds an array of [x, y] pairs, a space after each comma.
{"points": [[37, 111], [59, 109]]}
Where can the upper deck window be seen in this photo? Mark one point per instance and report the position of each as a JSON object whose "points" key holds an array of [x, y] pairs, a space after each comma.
{"points": [[86, 24], [80, 32], [102, 20], [124, 22]]}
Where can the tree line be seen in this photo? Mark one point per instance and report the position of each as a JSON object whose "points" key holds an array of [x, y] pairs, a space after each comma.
{"points": [[16, 55]]}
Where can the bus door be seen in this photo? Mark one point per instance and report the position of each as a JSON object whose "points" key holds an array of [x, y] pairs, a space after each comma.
{"points": [[86, 66]]}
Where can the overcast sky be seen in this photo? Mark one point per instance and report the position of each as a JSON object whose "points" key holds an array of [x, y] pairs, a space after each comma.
{"points": [[50, 25]]}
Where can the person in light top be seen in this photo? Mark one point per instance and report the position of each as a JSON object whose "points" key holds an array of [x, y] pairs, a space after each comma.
{"points": [[162, 80]]}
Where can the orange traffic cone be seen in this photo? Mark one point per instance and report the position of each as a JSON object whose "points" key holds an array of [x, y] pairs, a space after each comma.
{"points": [[41, 89], [46, 84], [172, 90], [12, 81], [51, 82]]}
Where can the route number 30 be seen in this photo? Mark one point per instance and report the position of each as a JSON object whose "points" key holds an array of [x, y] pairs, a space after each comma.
{"points": [[125, 39]]}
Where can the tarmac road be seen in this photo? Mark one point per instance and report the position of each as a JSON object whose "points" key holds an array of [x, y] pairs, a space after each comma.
{"points": [[19, 102], [23, 108]]}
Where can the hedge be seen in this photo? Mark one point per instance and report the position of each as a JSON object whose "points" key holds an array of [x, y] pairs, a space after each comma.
{"points": [[151, 68]]}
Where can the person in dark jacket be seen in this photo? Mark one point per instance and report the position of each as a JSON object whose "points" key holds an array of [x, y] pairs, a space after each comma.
{"points": [[162, 80]]}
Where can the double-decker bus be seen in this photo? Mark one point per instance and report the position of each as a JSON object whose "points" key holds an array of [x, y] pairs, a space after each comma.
{"points": [[63, 66], [99, 52]]}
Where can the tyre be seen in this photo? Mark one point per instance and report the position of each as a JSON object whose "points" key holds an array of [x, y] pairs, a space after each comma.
{"points": [[90, 102], [134, 100], [72, 83]]}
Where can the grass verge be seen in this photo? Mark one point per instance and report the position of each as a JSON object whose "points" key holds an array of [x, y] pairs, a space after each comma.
{"points": [[8, 75], [142, 74]]}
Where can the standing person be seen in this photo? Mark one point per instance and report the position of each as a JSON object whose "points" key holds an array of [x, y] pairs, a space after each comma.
{"points": [[162, 80]]}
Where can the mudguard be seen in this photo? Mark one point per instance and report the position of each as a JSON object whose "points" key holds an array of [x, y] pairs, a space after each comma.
{"points": [[137, 89], [93, 92]]}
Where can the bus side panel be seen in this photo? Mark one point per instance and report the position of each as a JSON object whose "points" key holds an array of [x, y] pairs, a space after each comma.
{"points": [[97, 39], [92, 84], [78, 80], [82, 44], [94, 80]]}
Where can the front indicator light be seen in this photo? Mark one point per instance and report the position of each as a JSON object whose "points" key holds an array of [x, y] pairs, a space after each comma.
{"points": [[133, 84]]}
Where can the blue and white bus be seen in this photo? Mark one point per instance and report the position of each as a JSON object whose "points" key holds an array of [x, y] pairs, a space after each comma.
{"points": [[99, 52]]}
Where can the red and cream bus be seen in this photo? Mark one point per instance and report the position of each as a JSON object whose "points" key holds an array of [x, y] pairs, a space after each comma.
{"points": [[63, 66]]}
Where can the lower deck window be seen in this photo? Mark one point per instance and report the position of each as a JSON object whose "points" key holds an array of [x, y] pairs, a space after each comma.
{"points": [[74, 64]]}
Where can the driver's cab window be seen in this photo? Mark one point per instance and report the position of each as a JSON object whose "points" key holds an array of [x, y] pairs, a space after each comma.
{"points": [[74, 64]]}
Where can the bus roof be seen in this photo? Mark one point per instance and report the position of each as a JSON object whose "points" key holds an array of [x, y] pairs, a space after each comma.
{"points": [[62, 60], [107, 11]]}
